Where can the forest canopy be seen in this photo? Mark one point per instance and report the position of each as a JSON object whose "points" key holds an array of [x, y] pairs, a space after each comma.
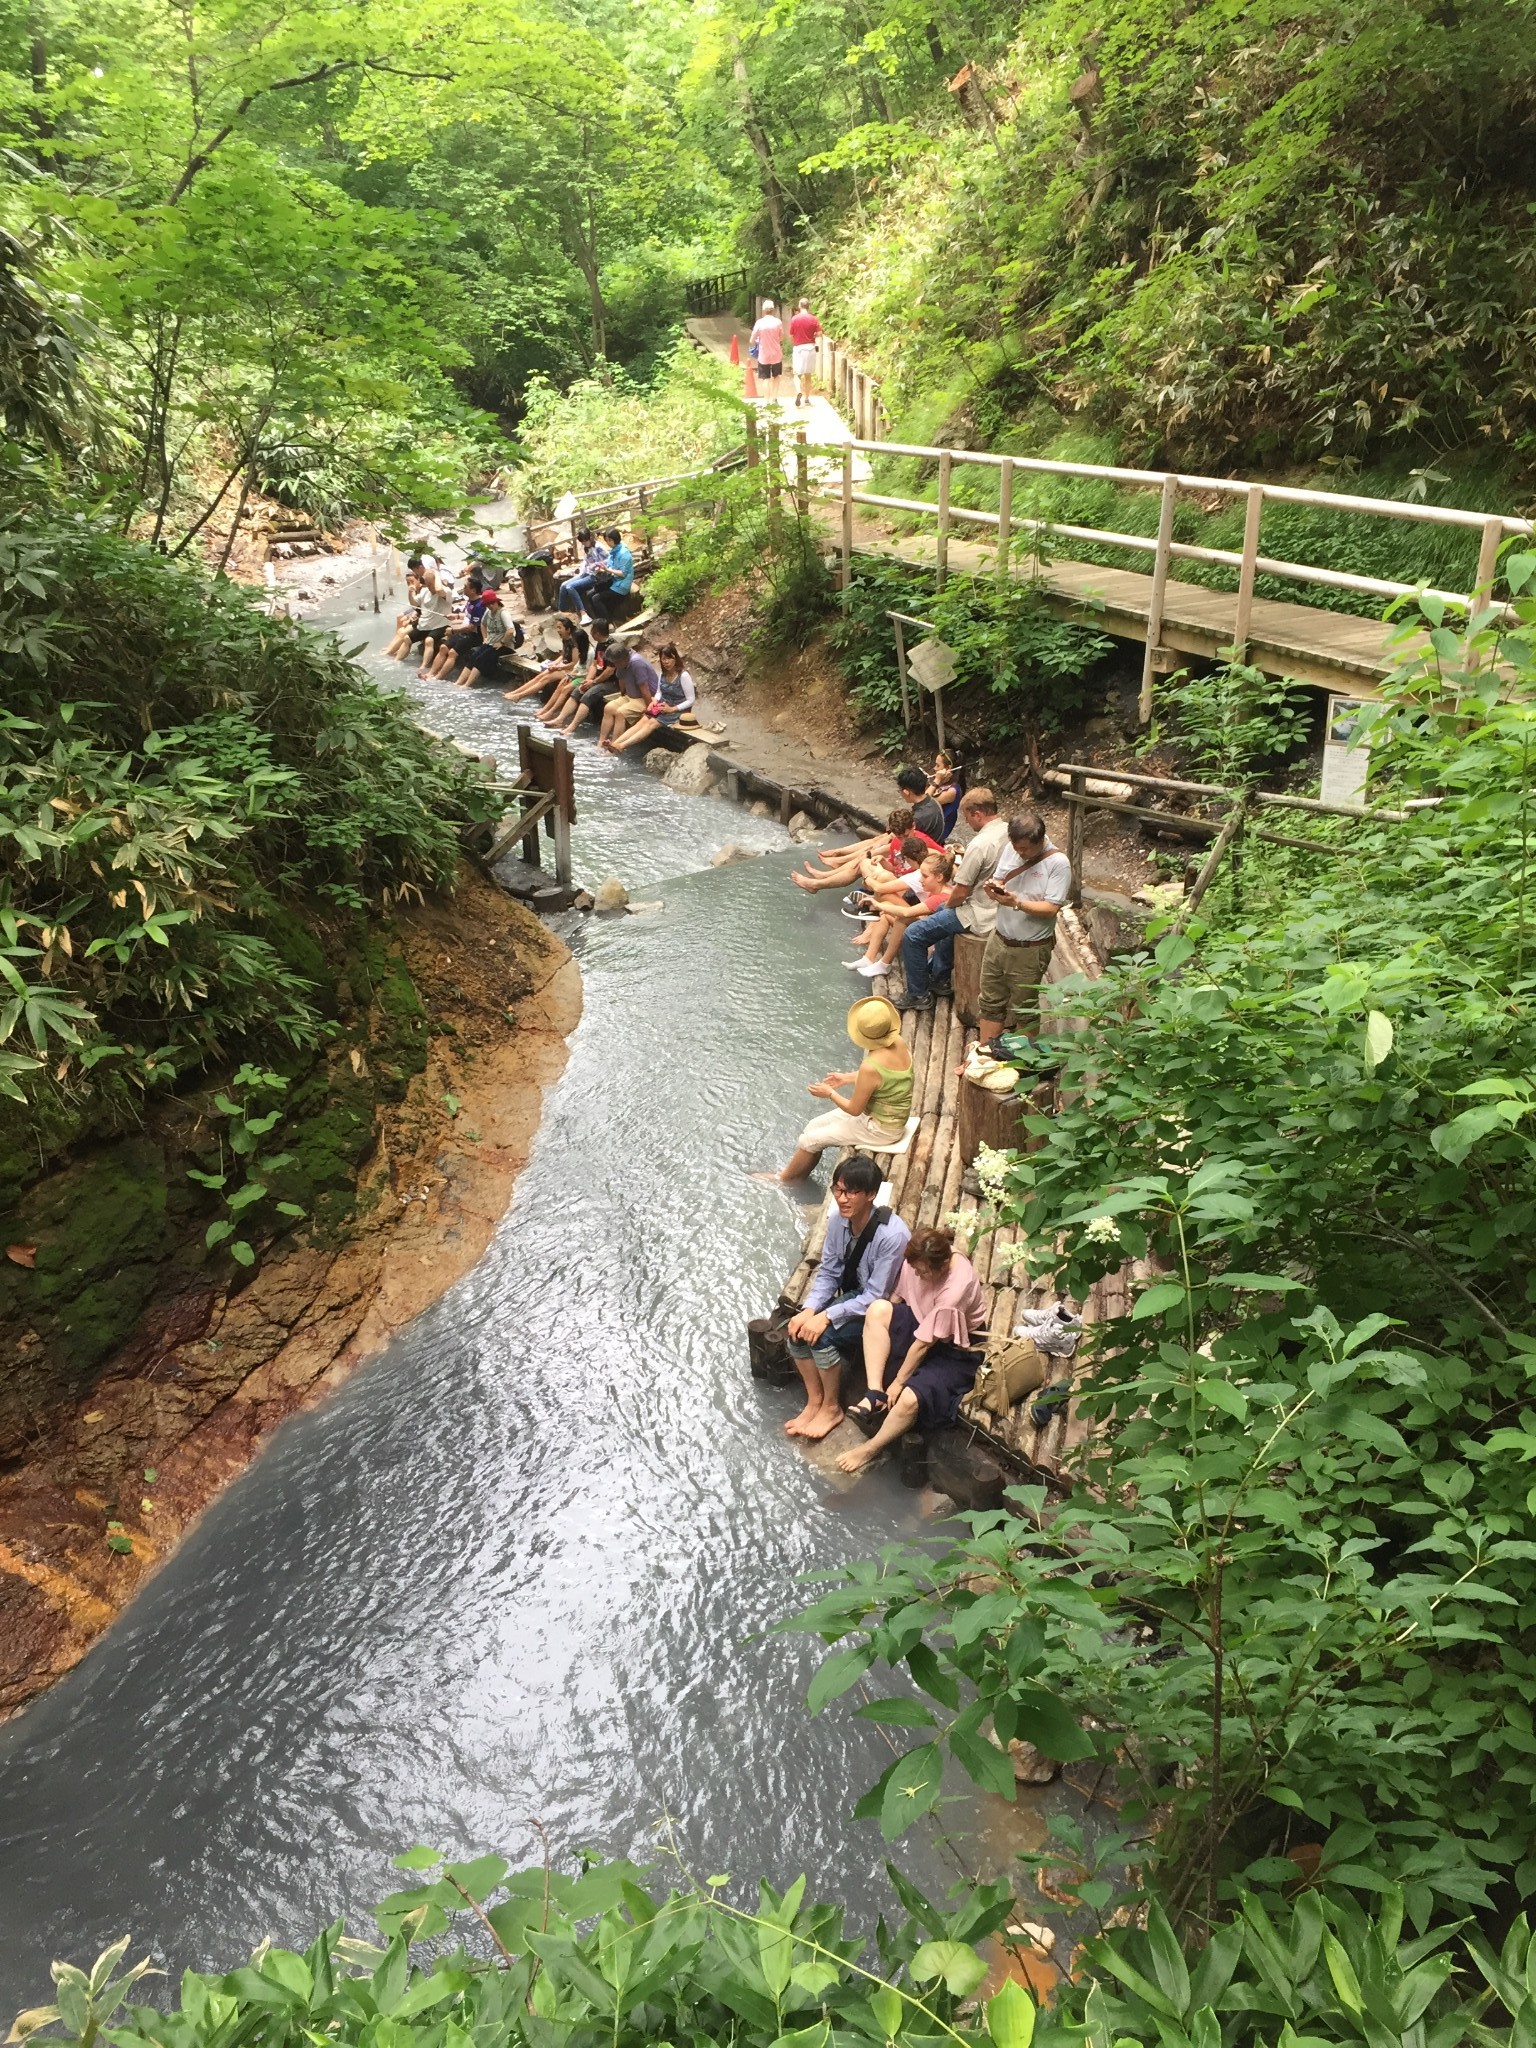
{"points": [[324, 250]]}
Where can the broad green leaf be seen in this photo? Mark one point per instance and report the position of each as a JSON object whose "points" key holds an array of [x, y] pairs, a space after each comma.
{"points": [[775, 1958], [289, 1970], [931, 1675], [1167, 1959], [1043, 1720], [1220, 1393], [1341, 1970], [911, 1788], [836, 1674], [896, 1713], [991, 1767], [1157, 1299], [816, 2036], [959, 1967], [1011, 2016], [887, 2006]]}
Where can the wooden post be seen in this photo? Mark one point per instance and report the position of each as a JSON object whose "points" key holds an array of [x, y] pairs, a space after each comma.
{"points": [[564, 780], [1487, 568], [775, 483], [1487, 561], [1076, 821], [938, 718], [752, 452], [375, 592], [1207, 874], [1159, 594], [901, 669], [1251, 522], [847, 576], [802, 476], [941, 559], [1004, 515]]}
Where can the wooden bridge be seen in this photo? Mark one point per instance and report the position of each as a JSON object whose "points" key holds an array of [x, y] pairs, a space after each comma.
{"points": [[1151, 605], [1167, 616]]}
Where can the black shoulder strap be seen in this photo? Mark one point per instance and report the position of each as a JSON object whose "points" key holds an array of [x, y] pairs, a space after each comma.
{"points": [[858, 1248]]}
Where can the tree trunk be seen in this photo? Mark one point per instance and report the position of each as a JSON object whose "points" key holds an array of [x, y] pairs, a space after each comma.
{"points": [[581, 240], [768, 177], [42, 120]]}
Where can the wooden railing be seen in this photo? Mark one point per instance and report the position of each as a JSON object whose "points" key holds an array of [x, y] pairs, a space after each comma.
{"points": [[608, 499], [714, 294], [1493, 527], [852, 390]]}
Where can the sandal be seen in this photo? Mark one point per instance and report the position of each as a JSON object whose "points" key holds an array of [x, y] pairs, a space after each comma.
{"points": [[870, 1407]]}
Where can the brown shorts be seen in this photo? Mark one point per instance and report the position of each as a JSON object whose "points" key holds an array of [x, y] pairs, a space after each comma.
{"points": [[1010, 982]]}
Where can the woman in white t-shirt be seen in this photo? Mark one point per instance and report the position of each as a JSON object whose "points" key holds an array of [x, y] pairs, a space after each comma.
{"points": [[432, 617]]}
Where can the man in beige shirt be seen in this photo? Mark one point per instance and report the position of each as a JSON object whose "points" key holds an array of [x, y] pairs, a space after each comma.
{"points": [[928, 950]]}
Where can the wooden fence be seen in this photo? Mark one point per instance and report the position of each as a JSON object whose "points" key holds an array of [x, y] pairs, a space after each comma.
{"points": [[703, 295], [852, 390], [1493, 528]]}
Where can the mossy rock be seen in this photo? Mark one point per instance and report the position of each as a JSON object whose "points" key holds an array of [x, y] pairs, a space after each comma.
{"points": [[302, 952], [398, 1026], [330, 1128], [99, 1229]]}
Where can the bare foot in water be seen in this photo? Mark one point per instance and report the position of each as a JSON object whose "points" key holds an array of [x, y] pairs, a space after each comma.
{"points": [[856, 1460], [822, 1424], [772, 1180], [796, 1424], [802, 881]]}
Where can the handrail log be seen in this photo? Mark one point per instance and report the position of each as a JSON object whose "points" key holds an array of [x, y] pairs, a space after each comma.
{"points": [[1153, 479]]}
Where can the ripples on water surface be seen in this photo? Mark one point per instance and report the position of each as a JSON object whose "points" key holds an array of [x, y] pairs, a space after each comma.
{"points": [[515, 1567]]}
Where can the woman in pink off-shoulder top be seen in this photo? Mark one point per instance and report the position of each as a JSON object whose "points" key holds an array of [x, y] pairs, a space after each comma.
{"points": [[921, 1336]]}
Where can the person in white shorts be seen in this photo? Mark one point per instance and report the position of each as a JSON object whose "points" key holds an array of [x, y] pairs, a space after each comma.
{"points": [[804, 328]]}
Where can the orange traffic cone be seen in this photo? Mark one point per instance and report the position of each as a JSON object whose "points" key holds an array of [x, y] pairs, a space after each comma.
{"points": [[748, 380], [735, 348]]}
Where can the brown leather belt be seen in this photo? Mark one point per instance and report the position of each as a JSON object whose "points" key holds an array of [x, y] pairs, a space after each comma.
{"points": [[1004, 941]]}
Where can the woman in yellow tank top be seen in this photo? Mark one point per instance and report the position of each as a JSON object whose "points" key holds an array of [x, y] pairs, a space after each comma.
{"points": [[873, 1114]]}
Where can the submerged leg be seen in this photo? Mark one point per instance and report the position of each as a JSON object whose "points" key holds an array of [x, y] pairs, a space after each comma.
{"points": [[903, 1413]]}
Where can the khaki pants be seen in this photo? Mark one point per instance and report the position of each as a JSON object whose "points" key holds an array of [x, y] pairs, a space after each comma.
{"points": [[1010, 982]]}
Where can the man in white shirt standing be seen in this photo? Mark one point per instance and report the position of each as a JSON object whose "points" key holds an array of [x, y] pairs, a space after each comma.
{"points": [[1032, 881], [969, 908]]}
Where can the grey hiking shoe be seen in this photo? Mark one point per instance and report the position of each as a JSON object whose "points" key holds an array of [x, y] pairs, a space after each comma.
{"points": [[911, 1002]]}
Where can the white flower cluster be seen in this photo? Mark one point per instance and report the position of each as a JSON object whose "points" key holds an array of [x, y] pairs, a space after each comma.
{"points": [[992, 1171], [1102, 1230], [963, 1223]]}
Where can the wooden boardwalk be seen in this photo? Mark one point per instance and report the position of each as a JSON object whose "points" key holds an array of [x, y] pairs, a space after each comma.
{"points": [[1332, 650], [925, 1188]]}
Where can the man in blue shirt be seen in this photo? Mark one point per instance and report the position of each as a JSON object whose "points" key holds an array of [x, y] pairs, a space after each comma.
{"points": [[616, 577], [859, 1264]]}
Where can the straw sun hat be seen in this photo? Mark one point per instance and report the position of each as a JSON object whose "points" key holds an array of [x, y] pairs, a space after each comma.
{"points": [[874, 1022]]}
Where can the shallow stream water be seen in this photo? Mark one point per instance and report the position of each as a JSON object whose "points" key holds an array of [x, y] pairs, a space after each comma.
{"points": [[521, 1565]]}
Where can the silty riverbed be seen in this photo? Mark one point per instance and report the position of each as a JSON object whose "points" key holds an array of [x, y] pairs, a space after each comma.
{"points": [[521, 1565]]}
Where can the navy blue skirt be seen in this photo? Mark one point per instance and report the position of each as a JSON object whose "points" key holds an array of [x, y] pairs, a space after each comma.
{"points": [[946, 1375]]}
